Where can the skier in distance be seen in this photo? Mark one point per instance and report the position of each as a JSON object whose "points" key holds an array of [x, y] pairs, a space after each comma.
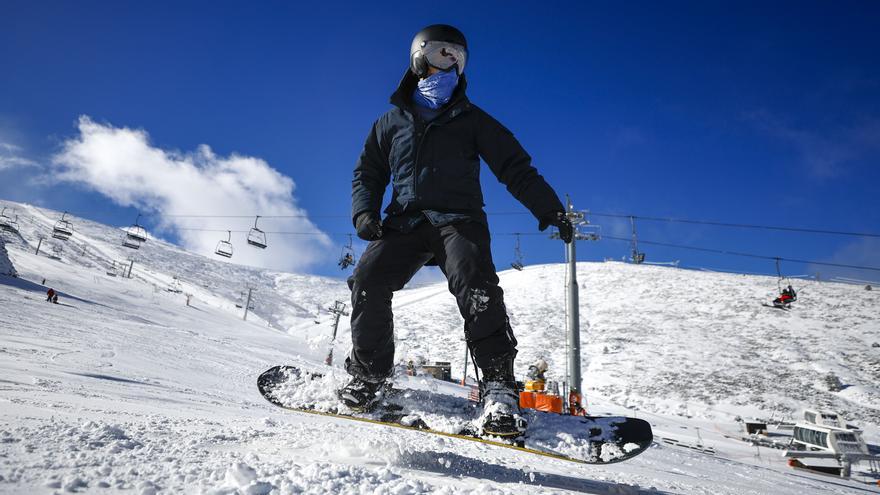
{"points": [[428, 146]]}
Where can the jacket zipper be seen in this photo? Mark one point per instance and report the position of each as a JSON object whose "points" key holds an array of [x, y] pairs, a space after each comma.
{"points": [[424, 134]]}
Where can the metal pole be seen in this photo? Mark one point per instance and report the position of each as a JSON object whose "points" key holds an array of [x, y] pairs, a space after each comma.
{"points": [[573, 326], [130, 266], [572, 313], [464, 375], [39, 243], [247, 305], [338, 309]]}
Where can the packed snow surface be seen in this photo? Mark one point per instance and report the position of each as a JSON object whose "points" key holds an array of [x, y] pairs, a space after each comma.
{"points": [[123, 387]]}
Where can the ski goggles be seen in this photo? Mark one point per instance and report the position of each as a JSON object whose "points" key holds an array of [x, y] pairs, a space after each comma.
{"points": [[443, 55]]}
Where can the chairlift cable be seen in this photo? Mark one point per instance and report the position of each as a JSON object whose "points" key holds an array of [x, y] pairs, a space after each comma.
{"points": [[738, 225], [598, 214], [747, 255]]}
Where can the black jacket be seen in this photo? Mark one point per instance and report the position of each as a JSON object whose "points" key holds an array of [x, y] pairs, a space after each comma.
{"points": [[434, 167]]}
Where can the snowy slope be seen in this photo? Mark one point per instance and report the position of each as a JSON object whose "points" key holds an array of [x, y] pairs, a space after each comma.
{"points": [[281, 300], [652, 340], [124, 387]]}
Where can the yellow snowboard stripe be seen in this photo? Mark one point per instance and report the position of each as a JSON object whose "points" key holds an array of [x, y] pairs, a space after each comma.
{"points": [[441, 433]]}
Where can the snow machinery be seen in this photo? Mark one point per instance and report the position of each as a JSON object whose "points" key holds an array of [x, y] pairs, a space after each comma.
{"points": [[826, 435]]}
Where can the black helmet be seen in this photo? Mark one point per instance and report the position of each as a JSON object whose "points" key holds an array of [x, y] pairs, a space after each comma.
{"points": [[439, 45]]}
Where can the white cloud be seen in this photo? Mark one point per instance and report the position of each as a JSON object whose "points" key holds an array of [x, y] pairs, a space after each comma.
{"points": [[828, 153], [121, 164], [862, 252], [10, 157]]}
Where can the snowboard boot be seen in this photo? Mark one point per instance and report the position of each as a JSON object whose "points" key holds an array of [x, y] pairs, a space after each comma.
{"points": [[361, 395], [498, 392]]}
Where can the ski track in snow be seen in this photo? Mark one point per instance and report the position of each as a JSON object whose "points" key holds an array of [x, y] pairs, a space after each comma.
{"points": [[125, 389]]}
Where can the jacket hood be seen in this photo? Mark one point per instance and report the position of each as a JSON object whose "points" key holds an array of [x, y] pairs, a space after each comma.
{"points": [[402, 96]]}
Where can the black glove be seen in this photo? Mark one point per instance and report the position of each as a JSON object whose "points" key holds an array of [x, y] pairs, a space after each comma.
{"points": [[559, 220], [368, 226]]}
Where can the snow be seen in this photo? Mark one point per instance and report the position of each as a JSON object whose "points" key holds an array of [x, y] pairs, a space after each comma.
{"points": [[6, 267], [122, 387]]}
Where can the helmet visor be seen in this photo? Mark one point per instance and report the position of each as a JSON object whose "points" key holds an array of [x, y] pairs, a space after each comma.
{"points": [[443, 55]]}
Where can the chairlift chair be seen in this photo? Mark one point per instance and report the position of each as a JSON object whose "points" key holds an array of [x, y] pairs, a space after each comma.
{"points": [[257, 237], [224, 248], [63, 229], [131, 242], [517, 263], [346, 259], [111, 271], [136, 233], [786, 282], [8, 222]]}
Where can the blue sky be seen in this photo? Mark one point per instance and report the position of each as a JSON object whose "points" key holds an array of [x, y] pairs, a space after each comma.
{"points": [[738, 112]]}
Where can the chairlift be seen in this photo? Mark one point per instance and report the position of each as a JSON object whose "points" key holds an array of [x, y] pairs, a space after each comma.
{"points": [[517, 256], [63, 229], [239, 303], [111, 271], [257, 237], [136, 233], [57, 251], [224, 248], [8, 222], [346, 259], [131, 242], [242, 298], [787, 290]]}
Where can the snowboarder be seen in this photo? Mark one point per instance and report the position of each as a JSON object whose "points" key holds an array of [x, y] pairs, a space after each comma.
{"points": [[346, 261], [429, 147], [50, 294], [786, 298]]}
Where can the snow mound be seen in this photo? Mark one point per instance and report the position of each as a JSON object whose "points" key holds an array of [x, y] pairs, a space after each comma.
{"points": [[6, 267]]}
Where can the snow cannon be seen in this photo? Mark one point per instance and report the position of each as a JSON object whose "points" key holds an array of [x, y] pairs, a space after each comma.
{"points": [[537, 395]]}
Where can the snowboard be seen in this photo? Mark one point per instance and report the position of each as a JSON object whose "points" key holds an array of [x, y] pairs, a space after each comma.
{"points": [[580, 439], [776, 306]]}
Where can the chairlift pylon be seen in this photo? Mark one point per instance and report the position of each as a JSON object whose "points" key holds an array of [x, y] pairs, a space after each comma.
{"points": [[63, 229], [346, 259], [517, 263], [257, 237], [224, 248], [636, 256], [136, 233]]}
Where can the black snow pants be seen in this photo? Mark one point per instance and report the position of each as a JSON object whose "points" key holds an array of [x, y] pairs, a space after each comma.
{"points": [[462, 252]]}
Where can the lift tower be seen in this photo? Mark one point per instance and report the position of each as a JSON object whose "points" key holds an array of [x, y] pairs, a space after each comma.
{"points": [[572, 309]]}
